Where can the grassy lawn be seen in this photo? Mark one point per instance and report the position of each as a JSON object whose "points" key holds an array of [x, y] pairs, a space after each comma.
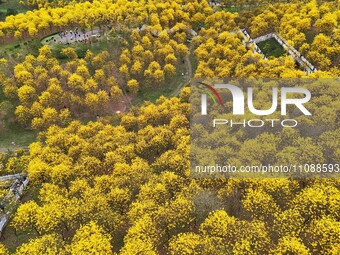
{"points": [[310, 35], [10, 130], [14, 133], [194, 62], [166, 89], [11, 7], [231, 9], [20, 50], [271, 48], [11, 239]]}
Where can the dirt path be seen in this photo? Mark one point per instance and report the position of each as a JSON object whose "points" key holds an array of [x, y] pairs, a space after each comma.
{"points": [[187, 77]]}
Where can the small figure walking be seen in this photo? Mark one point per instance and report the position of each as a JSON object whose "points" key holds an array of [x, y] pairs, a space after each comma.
{"points": [[2, 207]]}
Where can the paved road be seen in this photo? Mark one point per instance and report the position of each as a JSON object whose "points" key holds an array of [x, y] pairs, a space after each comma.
{"points": [[72, 36]]}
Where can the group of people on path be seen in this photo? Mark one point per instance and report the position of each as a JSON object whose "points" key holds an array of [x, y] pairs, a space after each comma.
{"points": [[14, 189], [72, 36]]}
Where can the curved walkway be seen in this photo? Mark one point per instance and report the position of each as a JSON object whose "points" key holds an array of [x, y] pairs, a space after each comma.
{"points": [[8, 203], [295, 54]]}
